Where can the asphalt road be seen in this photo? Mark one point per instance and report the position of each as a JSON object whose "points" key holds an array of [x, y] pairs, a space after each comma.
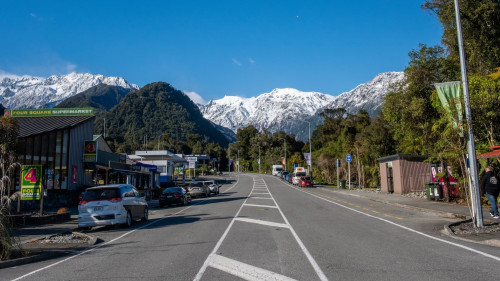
{"points": [[260, 228]]}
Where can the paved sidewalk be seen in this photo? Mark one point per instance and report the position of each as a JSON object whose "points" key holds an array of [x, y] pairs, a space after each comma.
{"points": [[440, 208]]}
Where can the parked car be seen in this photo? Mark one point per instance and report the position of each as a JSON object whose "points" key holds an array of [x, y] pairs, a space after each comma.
{"points": [[214, 188], [198, 189], [118, 204], [175, 195], [305, 182], [284, 175]]}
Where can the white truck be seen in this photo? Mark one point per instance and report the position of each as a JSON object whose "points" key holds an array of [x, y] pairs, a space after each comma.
{"points": [[298, 172], [277, 169]]}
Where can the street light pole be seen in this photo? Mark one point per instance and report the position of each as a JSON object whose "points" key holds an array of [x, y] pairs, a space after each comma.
{"points": [[259, 159], [310, 153], [475, 194]]}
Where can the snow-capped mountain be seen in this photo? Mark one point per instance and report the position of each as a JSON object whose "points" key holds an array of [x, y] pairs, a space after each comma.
{"points": [[278, 110], [36, 92], [287, 109]]}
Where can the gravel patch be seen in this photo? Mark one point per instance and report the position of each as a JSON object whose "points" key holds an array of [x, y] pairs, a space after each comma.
{"points": [[61, 240], [468, 228]]}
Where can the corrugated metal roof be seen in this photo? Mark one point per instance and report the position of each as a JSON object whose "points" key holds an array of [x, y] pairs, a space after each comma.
{"points": [[29, 126]]}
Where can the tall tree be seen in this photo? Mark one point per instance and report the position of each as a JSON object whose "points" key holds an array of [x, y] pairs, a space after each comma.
{"points": [[480, 28]]}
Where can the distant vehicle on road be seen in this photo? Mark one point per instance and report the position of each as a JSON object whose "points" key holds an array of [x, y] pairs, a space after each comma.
{"points": [[298, 172], [277, 169], [111, 205], [198, 189], [305, 182], [175, 195]]}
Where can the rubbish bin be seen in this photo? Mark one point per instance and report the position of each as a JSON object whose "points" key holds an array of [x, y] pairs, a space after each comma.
{"points": [[343, 184], [429, 190], [438, 192]]}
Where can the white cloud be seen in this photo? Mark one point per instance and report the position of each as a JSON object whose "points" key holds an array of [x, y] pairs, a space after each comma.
{"points": [[195, 97], [235, 61], [70, 67], [252, 61], [33, 15]]}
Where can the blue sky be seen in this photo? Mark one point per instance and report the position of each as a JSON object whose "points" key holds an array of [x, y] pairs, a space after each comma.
{"points": [[216, 48]]}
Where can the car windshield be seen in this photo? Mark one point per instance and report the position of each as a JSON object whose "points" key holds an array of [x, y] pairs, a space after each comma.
{"points": [[307, 178], [172, 189], [101, 194]]}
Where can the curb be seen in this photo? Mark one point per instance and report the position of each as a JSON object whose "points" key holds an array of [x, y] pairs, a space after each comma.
{"points": [[447, 231], [39, 254]]}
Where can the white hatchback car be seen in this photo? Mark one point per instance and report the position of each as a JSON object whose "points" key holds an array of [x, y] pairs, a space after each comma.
{"points": [[118, 204]]}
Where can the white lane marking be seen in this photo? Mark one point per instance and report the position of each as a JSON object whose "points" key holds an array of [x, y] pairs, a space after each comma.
{"points": [[407, 228], [261, 206], [115, 239], [257, 197], [259, 192], [217, 246], [243, 270], [313, 262], [268, 223]]}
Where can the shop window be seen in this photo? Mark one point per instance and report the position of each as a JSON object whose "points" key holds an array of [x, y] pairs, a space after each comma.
{"points": [[45, 149], [57, 160], [37, 150], [29, 151], [21, 150]]}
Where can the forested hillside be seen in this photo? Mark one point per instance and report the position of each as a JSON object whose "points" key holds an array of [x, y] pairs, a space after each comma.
{"points": [[158, 112]]}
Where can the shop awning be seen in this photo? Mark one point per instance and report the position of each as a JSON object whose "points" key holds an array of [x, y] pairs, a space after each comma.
{"points": [[494, 153]]}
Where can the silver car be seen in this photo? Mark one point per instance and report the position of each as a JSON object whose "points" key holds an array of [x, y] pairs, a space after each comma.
{"points": [[118, 204], [198, 189]]}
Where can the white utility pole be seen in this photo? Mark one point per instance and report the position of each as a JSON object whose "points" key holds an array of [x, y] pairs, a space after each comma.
{"points": [[475, 194]]}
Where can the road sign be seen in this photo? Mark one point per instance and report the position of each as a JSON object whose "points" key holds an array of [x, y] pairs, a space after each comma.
{"points": [[192, 159], [348, 158], [337, 163]]}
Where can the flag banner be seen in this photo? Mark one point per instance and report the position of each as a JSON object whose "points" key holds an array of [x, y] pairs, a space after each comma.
{"points": [[258, 160], [230, 162], [449, 93], [307, 156], [283, 160]]}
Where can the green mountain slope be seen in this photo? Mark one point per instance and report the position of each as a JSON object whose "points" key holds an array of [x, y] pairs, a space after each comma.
{"points": [[157, 109], [101, 97]]}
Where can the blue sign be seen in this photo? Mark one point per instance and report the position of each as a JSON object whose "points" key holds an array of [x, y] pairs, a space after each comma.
{"points": [[348, 158]]}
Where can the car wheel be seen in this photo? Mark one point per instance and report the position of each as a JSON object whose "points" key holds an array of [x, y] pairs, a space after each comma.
{"points": [[128, 220], [146, 214], [162, 205]]}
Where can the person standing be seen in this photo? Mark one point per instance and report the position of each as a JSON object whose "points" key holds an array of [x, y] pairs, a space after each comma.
{"points": [[490, 187]]}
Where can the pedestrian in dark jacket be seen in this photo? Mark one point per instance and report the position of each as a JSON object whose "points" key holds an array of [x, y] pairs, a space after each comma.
{"points": [[490, 187]]}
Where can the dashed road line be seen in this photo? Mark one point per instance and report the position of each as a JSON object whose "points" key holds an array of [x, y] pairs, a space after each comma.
{"points": [[261, 206], [243, 270], [263, 222]]}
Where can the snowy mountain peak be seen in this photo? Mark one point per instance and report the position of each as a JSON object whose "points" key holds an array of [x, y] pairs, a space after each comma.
{"points": [[37, 92], [286, 109]]}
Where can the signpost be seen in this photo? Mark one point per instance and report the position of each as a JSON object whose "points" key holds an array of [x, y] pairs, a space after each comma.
{"points": [[31, 184], [192, 164], [348, 159], [337, 162]]}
